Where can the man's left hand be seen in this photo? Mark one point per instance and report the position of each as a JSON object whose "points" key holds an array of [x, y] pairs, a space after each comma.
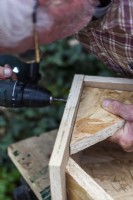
{"points": [[124, 136]]}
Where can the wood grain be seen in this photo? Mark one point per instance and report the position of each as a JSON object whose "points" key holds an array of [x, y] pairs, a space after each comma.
{"points": [[80, 186], [124, 84], [93, 123], [111, 168], [60, 153], [31, 157]]}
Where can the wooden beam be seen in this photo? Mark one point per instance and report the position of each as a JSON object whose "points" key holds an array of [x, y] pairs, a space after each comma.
{"points": [[60, 153]]}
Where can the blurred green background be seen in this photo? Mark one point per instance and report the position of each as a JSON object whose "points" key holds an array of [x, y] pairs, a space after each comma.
{"points": [[60, 62]]}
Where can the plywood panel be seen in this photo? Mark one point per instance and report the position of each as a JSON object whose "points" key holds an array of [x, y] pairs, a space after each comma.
{"points": [[31, 157], [93, 123], [74, 190], [80, 186], [111, 168]]}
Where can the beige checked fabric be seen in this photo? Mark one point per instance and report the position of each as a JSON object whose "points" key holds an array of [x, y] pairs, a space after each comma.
{"points": [[110, 38]]}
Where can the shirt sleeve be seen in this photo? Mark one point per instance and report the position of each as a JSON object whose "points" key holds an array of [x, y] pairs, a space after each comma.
{"points": [[110, 37]]}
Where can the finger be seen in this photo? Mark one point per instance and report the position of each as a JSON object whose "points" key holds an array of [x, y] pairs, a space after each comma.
{"points": [[124, 137], [14, 77], [10, 73], [1, 73], [126, 146], [5, 72], [123, 110]]}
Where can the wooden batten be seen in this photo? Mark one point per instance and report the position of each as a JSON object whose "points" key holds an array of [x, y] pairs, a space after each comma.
{"points": [[61, 153], [109, 83]]}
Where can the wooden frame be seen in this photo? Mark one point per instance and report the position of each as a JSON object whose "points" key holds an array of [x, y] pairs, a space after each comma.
{"points": [[61, 151]]}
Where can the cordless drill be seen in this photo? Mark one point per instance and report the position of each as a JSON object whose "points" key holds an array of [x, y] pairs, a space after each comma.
{"points": [[25, 92]]}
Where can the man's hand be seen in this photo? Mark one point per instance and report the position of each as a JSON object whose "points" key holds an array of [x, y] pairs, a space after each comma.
{"points": [[124, 136], [5, 72]]}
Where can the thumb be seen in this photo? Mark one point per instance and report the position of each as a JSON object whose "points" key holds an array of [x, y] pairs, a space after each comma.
{"points": [[118, 108]]}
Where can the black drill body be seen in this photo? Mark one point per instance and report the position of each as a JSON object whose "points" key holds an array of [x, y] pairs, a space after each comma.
{"points": [[25, 92], [15, 94]]}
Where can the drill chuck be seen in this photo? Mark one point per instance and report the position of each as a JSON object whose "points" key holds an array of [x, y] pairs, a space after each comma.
{"points": [[15, 94]]}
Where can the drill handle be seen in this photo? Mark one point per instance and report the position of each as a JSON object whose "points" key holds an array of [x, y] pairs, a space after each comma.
{"points": [[27, 73]]}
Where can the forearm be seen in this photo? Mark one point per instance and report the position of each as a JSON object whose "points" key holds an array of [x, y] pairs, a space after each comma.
{"points": [[56, 19]]}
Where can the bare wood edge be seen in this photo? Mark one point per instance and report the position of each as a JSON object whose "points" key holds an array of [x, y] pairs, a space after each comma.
{"points": [[109, 83], [26, 177], [60, 153], [98, 137], [23, 172], [93, 190]]}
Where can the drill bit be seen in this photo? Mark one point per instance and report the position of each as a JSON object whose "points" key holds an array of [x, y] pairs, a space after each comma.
{"points": [[36, 46], [36, 39], [56, 99]]}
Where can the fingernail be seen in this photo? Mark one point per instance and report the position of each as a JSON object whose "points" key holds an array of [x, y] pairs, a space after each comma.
{"points": [[106, 103], [6, 66], [7, 72]]}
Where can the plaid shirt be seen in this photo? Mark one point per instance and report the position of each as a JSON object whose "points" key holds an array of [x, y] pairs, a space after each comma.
{"points": [[110, 38]]}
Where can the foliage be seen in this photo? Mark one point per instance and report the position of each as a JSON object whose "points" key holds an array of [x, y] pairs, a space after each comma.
{"points": [[7, 183], [61, 60]]}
